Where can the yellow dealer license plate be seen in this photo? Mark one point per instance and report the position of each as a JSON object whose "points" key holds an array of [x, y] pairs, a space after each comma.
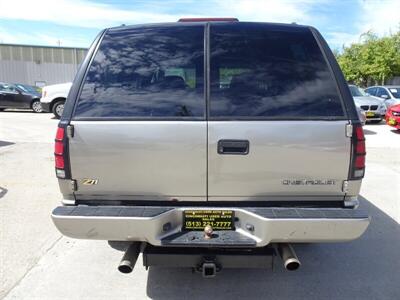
{"points": [[217, 219]]}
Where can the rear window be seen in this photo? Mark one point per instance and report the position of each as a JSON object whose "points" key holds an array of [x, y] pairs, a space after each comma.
{"points": [[146, 72], [395, 90], [259, 72], [371, 91]]}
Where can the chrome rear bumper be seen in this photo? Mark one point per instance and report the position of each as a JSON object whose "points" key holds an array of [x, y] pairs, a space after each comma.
{"points": [[254, 227]]}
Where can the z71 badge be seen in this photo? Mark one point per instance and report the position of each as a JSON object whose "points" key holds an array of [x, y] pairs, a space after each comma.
{"points": [[88, 181]]}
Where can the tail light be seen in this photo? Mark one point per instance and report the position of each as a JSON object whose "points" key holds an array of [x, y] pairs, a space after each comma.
{"points": [[60, 152], [358, 153]]}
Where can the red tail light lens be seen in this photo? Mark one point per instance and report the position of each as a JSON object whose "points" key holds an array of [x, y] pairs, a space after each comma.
{"points": [[360, 147], [60, 134], [59, 162], [359, 133], [58, 148], [360, 161], [59, 152], [358, 154]]}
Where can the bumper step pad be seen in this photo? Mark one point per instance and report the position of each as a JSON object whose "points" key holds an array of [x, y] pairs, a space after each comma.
{"points": [[111, 211], [152, 211], [308, 213]]}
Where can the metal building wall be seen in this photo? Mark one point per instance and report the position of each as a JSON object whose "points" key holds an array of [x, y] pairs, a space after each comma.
{"points": [[32, 64]]}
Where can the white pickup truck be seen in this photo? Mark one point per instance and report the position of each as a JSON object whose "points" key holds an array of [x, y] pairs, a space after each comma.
{"points": [[53, 98]]}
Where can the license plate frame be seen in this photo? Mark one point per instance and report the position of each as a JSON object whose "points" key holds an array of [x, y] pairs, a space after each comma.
{"points": [[218, 219]]}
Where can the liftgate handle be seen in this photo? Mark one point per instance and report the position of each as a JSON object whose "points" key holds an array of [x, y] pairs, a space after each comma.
{"points": [[238, 147]]}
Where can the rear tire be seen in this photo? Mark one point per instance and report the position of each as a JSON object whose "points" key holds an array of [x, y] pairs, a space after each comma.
{"points": [[36, 106], [58, 109]]}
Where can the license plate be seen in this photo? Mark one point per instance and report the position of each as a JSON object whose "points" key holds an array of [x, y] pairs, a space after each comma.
{"points": [[217, 219], [370, 114], [392, 122]]}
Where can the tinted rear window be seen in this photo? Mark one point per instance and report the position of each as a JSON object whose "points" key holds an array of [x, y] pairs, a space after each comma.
{"points": [[147, 72], [258, 71]]}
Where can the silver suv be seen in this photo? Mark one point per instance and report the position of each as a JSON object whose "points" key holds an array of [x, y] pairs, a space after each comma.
{"points": [[210, 144]]}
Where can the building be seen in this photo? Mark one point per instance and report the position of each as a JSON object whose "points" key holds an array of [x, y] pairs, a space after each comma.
{"points": [[39, 65]]}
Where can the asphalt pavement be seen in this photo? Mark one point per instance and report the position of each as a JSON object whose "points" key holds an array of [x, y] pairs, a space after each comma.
{"points": [[36, 262]]}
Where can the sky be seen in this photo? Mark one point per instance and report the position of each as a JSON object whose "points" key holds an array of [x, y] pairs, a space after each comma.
{"points": [[75, 23]]}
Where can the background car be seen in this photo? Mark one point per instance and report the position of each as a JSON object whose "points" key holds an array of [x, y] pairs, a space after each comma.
{"points": [[374, 108], [390, 94], [393, 116], [53, 98], [13, 96], [34, 90]]}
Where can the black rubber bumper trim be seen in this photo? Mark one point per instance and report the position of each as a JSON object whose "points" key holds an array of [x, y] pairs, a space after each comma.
{"points": [[309, 213], [110, 211], [152, 211]]}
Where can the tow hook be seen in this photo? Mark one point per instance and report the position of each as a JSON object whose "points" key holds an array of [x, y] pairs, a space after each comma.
{"points": [[208, 232]]}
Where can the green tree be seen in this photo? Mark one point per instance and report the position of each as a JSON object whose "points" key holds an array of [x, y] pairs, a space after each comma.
{"points": [[372, 60]]}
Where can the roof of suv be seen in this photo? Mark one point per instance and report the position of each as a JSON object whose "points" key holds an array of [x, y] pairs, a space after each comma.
{"points": [[186, 23]]}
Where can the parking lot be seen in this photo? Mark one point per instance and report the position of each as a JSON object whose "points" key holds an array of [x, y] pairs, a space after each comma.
{"points": [[38, 263]]}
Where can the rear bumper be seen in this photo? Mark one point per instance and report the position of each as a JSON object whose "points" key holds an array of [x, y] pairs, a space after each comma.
{"points": [[255, 227]]}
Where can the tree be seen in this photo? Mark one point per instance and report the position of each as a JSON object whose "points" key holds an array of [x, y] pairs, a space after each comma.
{"points": [[372, 60]]}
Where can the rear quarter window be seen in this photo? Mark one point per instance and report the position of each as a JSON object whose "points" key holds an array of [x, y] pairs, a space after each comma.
{"points": [[147, 72], [259, 71]]}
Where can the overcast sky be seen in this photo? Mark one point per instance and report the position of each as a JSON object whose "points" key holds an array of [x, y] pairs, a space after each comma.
{"points": [[75, 23]]}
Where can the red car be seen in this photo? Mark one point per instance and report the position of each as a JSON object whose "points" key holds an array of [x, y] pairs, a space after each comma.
{"points": [[393, 116]]}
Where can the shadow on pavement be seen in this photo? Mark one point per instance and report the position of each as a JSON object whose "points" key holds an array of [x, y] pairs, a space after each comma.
{"points": [[3, 191], [376, 123], [367, 268], [4, 143], [396, 131], [369, 132]]}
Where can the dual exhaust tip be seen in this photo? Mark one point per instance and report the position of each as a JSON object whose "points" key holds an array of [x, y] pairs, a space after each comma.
{"points": [[285, 251]]}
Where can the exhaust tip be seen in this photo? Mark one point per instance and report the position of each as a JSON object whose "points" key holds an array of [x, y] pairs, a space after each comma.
{"points": [[125, 267], [129, 259], [292, 264], [289, 257]]}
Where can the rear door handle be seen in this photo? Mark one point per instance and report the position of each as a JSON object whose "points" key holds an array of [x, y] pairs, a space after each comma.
{"points": [[240, 147]]}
